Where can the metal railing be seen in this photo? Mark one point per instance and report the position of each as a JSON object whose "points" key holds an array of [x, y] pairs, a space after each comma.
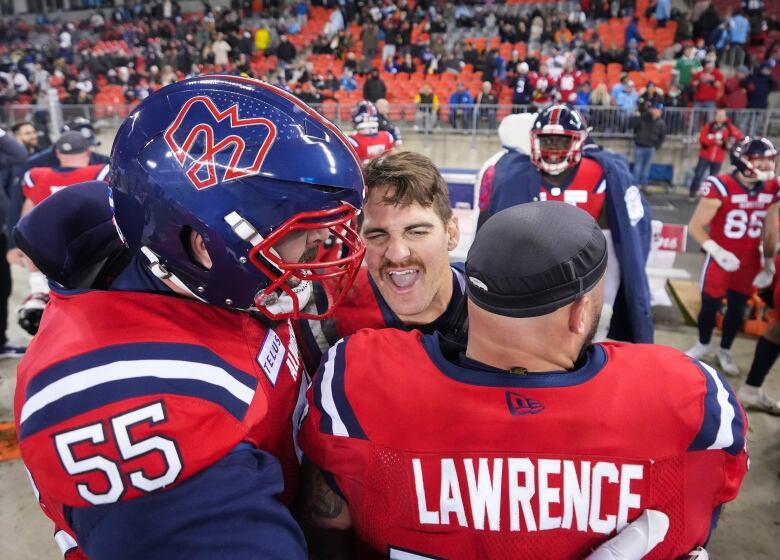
{"points": [[606, 122]]}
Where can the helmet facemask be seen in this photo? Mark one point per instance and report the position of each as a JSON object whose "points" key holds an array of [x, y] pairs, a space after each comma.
{"points": [[761, 168], [555, 152], [290, 287]]}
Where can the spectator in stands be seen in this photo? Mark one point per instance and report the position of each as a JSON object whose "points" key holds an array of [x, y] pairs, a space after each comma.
{"points": [[649, 53], [407, 66], [600, 96], [632, 31], [369, 36], [545, 87], [383, 114], [675, 119], [522, 88], [715, 140], [221, 50], [286, 51], [707, 85], [650, 96], [582, 100], [759, 85], [330, 82], [487, 103], [649, 133], [262, 38], [374, 88], [707, 21], [686, 65], [461, 104], [734, 92], [391, 39], [663, 11], [627, 98], [347, 81], [427, 104], [24, 132]]}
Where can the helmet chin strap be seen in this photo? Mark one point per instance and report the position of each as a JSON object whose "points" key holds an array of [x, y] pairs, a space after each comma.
{"points": [[283, 303], [167, 277]]}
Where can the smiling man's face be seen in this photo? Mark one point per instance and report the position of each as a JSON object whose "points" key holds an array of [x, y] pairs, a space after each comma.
{"points": [[407, 254]]}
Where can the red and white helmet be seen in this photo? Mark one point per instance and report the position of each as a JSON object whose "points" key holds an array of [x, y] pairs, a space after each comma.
{"points": [[365, 118], [557, 137], [755, 158]]}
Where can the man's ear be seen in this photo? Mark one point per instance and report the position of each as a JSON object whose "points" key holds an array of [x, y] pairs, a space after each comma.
{"points": [[453, 233], [578, 315], [198, 250]]}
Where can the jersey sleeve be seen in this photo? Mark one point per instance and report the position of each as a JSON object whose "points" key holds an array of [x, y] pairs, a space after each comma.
{"points": [[713, 187], [230, 511], [486, 188], [717, 458], [28, 186], [331, 434]]}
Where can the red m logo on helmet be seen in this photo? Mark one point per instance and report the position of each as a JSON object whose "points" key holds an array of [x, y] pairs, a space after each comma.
{"points": [[199, 158]]}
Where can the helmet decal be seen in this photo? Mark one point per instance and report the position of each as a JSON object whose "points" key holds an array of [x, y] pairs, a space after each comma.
{"points": [[216, 137]]}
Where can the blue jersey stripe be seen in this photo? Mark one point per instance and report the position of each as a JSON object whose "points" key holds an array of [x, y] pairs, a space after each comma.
{"points": [[104, 394], [135, 351], [330, 397], [722, 422]]}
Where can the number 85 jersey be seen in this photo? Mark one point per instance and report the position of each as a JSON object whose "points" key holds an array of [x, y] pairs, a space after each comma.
{"points": [[738, 223]]}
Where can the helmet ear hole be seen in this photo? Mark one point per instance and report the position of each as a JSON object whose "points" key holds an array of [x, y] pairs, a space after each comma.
{"points": [[195, 247]]}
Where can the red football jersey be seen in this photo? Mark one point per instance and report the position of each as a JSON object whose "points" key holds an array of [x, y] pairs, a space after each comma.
{"points": [[369, 146], [568, 82], [108, 410], [458, 460], [738, 223], [363, 307], [39, 183], [544, 88], [585, 189]]}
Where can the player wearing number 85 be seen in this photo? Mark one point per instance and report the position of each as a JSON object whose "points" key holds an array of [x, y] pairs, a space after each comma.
{"points": [[735, 219]]}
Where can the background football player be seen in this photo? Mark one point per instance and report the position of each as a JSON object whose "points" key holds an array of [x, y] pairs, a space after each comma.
{"points": [[369, 142], [599, 182], [735, 222], [73, 151]]}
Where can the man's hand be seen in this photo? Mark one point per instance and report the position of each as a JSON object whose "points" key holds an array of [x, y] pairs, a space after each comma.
{"points": [[764, 278], [15, 256], [635, 540], [727, 260]]}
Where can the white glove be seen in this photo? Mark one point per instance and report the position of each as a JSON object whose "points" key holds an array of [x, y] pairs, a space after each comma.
{"points": [[725, 259], [635, 540], [764, 278]]}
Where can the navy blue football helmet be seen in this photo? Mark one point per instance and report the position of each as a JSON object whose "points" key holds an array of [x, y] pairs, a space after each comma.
{"points": [[249, 167], [365, 118], [755, 157], [557, 137]]}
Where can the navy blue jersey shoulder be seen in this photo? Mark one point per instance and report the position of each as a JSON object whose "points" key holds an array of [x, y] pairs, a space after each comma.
{"points": [[229, 510]]}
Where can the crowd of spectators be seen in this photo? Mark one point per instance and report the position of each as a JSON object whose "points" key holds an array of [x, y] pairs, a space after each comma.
{"points": [[141, 46]]}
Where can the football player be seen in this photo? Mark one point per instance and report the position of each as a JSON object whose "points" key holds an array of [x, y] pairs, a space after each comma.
{"points": [[599, 182], [158, 406], [735, 222], [517, 446], [369, 142], [408, 283], [73, 151], [751, 394]]}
